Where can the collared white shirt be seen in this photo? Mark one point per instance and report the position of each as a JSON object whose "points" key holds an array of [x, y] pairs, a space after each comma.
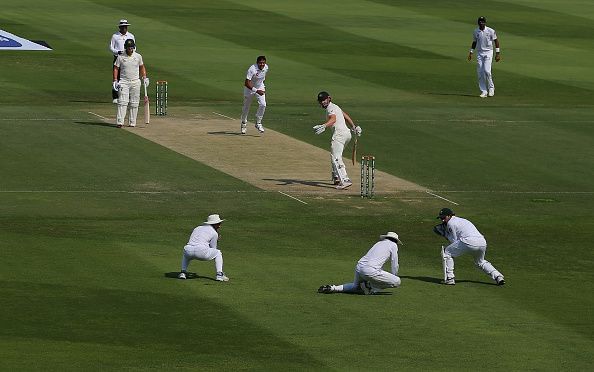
{"points": [[204, 236], [463, 230], [381, 252], [339, 126], [129, 66], [484, 39], [257, 76], [117, 42]]}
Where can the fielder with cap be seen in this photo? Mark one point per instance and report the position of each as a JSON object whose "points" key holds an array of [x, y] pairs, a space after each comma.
{"points": [[464, 238], [370, 278], [129, 67], [337, 119], [202, 246], [483, 39], [116, 46], [254, 87]]}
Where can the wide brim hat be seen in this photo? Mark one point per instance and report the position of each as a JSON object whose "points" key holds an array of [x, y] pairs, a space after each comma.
{"points": [[391, 235], [123, 22], [213, 219]]}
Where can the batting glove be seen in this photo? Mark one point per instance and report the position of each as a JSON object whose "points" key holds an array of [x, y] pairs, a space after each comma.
{"points": [[358, 131], [116, 85], [319, 129], [146, 82]]}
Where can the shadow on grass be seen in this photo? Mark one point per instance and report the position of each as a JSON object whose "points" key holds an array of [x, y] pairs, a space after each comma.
{"points": [[287, 181], [227, 133], [97, 123], [451, 94], [428, 279], [189, 276]]}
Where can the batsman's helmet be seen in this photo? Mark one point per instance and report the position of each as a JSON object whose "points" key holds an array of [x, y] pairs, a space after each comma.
{"points": [[129, 44], [322, 96], [445, 212], [481, 19]]}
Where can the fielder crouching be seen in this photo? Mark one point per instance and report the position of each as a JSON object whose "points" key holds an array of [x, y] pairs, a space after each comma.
{"points": [[370, 278], [130, 68]]}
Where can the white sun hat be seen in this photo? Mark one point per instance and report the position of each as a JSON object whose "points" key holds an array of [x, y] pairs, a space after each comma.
{"points": [[213, 219], [391, 235], [123, 22]]}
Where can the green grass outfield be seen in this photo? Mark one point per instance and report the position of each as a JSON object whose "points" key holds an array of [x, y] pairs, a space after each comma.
{"points": [[93, 219]]}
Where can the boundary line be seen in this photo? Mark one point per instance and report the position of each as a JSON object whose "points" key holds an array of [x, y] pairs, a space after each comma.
{"points": [[292, 197]]}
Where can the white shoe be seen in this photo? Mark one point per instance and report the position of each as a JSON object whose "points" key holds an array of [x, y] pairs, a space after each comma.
{"points": [[344, 185], [491, 92], [483, 95], [243, 127], [500, 280], [449, 281], [181, 276], [132, 125], [221, 277], [115, 100], [260, 128]]}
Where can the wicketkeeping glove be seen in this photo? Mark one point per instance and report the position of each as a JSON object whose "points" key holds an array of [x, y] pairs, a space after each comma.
{"points": [[440, 229], [116, 85], [319, 129]]}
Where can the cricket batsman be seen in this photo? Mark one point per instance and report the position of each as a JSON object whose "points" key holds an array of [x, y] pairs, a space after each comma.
{"points": [[131, 68]]}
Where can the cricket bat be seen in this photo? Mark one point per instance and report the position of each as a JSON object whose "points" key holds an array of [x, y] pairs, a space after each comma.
{"points": [[443, 262], [147, 109], [355, 149]]}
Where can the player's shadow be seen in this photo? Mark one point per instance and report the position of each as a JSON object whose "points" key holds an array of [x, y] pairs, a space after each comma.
{"points": [[189, 276], [451, 94], [439, 281], [288, 181], [227, 133], [96, 123]]}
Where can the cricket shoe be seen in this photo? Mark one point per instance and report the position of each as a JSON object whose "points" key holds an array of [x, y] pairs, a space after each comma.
{"points": [[243, 127], [500, 280], [181, 276], [483, 95], [221, 277], [491, 92], [366, 288], [344, 185], [449, 281], [325, 289], [119, 125], [260, 128]]}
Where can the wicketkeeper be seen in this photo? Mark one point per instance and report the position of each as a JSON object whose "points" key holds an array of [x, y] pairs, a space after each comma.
{"points": [[464, 238], [130, 68], [370, 278]]}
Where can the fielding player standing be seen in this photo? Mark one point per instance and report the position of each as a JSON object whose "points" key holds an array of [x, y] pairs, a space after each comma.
{"points": [[254, 87], [337, 119], [130, 68], [116, 45], [464, 237], [370, 278], [483, 39]]}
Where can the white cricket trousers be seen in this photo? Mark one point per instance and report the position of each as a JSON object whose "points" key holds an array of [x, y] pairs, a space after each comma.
{"points": [[202, 254], [339, 141], [478, 249], [248, 97], [378, 279], [483, 70], [129, 94]]}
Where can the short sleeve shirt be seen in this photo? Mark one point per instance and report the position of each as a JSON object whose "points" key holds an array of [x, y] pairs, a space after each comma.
{"points": [[257, 76], [340, 126], [129, 65], [484, 39]]}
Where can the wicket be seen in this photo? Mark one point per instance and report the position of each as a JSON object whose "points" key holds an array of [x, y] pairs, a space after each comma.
{"points": [[367, 175], [161, 99]]}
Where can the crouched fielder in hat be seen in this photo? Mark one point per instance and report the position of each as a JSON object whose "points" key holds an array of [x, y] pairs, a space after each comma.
{"points": [[202, 246], [130, 68], [370, 278]]}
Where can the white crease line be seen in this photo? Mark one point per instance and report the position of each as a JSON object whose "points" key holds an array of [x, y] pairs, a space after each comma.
{"points": [[97, 115], [292, 197], [225, 116], [441, 197]]}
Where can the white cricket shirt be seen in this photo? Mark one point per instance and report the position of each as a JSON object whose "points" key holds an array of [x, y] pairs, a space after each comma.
{"points": [[257, 76], [484, 39], [339, 126], [204, 236], [117, 42], [378, 255], [463, 230], [129, 65]]}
